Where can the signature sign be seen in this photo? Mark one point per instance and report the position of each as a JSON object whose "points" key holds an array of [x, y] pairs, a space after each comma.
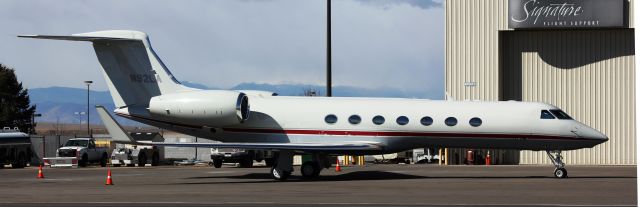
{"points": [[565, 13]]}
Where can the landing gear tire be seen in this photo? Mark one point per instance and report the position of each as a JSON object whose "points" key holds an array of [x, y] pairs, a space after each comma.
{"points": [[310, 169], [560, 173], [556, 159], [279, 174], [142, 160], [217, 163]]}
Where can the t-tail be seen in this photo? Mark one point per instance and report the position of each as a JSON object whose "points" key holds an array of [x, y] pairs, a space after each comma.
{"points": [[133, 71]]}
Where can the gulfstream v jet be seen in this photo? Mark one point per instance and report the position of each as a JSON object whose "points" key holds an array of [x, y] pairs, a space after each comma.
{"points": [[144, 90]]}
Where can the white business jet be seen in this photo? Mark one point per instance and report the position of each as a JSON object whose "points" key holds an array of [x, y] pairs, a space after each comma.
{"points": [[144, 90]]}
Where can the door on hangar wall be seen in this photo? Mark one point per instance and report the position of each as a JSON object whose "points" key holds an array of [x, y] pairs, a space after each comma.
{"points": [[588, 73]]}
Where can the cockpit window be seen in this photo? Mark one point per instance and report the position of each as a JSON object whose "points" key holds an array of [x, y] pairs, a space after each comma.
{"points": [[544, 114], [560, 114]]}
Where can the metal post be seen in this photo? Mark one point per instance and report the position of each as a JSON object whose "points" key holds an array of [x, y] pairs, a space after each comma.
{"points": [[88, 129], [196, 157], [329, 94], [446, 156], [33, 122], [44, 148]]}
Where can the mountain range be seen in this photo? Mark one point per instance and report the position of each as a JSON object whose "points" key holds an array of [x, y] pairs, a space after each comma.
{"points": [[63, 104]]}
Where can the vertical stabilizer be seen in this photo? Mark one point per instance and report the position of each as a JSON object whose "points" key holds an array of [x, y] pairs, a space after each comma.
{"points": [[133, 71]]}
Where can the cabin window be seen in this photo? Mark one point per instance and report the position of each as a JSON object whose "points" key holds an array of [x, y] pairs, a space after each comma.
{"points": [[426, 121], [544, 114], [377, 120], [402, 120], [560, 114], [451, 121], [331, 119], [354, 119], [475, 122]]}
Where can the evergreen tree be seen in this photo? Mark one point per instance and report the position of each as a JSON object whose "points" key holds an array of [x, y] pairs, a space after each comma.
{"points": [[15, 108]]}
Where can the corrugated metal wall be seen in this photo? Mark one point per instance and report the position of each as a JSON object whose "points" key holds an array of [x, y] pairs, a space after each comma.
{"points": [[471, 47], [589, 73]]}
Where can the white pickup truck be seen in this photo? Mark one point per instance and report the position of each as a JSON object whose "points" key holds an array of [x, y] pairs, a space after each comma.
{"points": [[79, 151]]}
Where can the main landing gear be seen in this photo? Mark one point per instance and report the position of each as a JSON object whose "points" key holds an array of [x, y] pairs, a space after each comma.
{"points": [[556, 158], [310, 169], [283, 166]]}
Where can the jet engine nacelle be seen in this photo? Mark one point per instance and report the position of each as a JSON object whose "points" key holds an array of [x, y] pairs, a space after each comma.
{"points": [[212, 108]]}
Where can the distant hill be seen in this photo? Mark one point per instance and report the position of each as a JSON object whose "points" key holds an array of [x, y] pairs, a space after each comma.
{"points": [[60, 103]]}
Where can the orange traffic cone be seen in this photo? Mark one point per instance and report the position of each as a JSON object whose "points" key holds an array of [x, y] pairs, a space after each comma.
{"points": [[338, 169], [40, 174], [487, 160], [109, 181]]}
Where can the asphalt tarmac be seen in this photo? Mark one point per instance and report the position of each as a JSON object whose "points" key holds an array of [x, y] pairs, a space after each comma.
{"points": [[371, 185]]}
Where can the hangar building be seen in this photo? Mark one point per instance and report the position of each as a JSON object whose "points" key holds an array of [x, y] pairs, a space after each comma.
{"points": [[575, 54]]}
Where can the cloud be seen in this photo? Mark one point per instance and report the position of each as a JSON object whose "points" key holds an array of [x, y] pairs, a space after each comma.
{"points": [[224, 43], [424, 4]]}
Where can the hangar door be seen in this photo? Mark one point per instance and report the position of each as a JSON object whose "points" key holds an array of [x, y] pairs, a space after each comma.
{"points": [[588, 73]]}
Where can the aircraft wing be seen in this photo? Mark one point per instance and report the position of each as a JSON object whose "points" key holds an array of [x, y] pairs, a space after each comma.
{"points": [[119, 135], [279, 146]]}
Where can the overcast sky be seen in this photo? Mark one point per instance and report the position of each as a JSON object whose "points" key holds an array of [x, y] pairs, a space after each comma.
{"points": [[376, 43]]}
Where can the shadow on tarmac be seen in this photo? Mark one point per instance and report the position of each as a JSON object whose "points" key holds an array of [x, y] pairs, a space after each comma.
{"points": [[362, 175]]}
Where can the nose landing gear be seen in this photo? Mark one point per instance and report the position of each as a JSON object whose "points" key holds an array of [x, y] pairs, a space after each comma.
{"points": [[556, 158]]}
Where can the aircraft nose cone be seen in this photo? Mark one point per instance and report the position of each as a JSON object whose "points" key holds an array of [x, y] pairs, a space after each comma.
{"points": [[591, 133]]}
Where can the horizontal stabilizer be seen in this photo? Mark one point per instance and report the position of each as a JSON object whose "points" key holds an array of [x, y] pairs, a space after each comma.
{"points": [[115, 130], [77, 38]]}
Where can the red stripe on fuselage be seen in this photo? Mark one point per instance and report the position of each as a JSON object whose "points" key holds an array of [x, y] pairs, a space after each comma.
{"points": [[397, 134]]}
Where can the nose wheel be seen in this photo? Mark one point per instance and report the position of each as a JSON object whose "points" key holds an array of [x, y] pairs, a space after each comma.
{"points": [[556, 159], [560, 173]]}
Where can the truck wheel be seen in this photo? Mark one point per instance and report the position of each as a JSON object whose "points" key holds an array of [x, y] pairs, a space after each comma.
{"points": [[103, 161], [20, 161], [142, 160], [155, 160], [117, 165], [217, 163], [83, 161]]}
